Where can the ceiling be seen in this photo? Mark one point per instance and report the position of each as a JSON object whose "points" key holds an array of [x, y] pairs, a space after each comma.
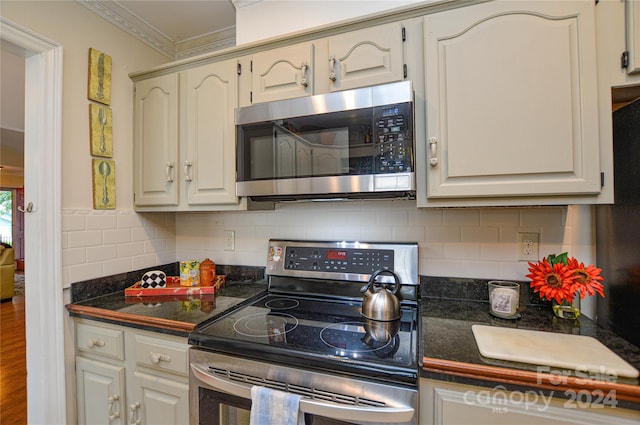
{"points": [[176, 28]]}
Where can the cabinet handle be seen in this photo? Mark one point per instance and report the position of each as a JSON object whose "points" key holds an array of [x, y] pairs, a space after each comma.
{"points": [[134, 413], [433, 147], [112, 401], [332, 69], [303, 71], [167, 173], [94, 342], [187, 170], [157, 357]]}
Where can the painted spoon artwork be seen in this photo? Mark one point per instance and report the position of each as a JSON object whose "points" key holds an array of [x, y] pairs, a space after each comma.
{"points": [[105, 170]]}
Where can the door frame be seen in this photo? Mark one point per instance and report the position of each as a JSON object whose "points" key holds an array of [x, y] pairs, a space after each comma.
{"points": [[44, 302]]}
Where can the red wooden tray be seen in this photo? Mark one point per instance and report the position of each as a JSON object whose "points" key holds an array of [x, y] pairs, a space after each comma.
{"points": [[171, 289]]}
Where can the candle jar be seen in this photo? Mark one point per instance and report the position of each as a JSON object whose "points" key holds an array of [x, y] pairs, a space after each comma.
{"points": [[504, 298]]}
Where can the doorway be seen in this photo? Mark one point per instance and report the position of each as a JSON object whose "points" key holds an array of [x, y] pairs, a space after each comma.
{"points": [[44, 295]]}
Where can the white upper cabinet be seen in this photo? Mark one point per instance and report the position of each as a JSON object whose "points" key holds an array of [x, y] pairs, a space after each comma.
{"points": [[365, 57], [354, 59], [209, 134], [633, 35], [184, 143], [156, 141], [511, 101], [282, 73]]}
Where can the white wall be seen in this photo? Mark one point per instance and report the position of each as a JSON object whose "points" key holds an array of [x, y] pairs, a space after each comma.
{"points": [[12, 89], [262, 19], [97, 243]]}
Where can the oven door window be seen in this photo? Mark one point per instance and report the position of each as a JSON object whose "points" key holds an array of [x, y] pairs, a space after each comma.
{"points": [[216, 408]]}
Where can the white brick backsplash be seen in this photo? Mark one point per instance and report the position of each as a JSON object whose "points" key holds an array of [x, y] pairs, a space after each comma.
{"points": [[84, 238], [130, 249], [129, 220], [101, 253], [117, 265], [143, 233], [455, 242], [101, 243], [71, 222], [117, 236], [74, 256], [449, 234], [490, 234], [100, 221]]}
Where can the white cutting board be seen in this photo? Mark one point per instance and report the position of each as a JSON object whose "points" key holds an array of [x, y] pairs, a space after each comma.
{"points": [[574, 352]]}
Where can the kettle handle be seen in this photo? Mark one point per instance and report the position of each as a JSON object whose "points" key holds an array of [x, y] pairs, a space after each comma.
{"points": [[396, 286]]}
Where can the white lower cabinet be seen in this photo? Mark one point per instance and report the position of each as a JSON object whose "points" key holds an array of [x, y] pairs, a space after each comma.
{"points": [[445, 403], [129, 376]]}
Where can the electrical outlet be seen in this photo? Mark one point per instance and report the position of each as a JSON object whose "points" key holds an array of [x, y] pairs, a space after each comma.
{"points": [[229, 240], [528, 246]]}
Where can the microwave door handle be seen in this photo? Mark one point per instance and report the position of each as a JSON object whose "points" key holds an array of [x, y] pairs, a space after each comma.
{"points": [[314, 407]]}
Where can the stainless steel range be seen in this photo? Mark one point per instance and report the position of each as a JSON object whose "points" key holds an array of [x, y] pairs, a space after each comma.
{"points": [[307, 335]]}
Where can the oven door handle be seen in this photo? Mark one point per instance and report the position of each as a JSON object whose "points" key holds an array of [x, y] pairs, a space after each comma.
{"points": [[310, 406]]}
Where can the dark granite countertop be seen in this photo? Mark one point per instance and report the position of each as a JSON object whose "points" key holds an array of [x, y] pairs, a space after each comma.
{"points": [[104, 299], [450, 352], [166, 314]]}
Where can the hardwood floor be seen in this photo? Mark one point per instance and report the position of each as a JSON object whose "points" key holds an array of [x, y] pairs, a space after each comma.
{"points": [[13, 364]]}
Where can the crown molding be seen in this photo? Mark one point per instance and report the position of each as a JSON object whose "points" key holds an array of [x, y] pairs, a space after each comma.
{"points": [[120, 16], [242, 3]]}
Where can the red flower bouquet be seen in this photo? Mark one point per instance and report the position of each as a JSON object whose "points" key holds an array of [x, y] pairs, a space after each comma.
{"points": [[560, 278]]}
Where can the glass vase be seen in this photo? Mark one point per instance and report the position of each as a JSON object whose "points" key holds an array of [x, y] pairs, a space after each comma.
{"points": [[567, 309]]}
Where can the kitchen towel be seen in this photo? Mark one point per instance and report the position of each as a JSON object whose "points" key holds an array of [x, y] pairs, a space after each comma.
{"points": [[273, 407]]}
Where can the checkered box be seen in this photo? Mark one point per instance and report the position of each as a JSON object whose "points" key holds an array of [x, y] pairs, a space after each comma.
{"points": [[154, 279]]}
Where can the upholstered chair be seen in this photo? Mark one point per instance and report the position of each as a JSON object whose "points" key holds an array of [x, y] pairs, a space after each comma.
{"points": [[7, 271]]}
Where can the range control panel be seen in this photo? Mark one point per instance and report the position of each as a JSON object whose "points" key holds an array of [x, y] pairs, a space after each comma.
{"points": [[342, 260]]}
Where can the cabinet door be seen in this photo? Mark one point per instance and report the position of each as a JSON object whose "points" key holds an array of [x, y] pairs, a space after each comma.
{"points": [[208, 164], [282, 73], [100, 392], [366, 57], [633, 35], [159, 401], [444, 403], [511, 99], [156, 141]]}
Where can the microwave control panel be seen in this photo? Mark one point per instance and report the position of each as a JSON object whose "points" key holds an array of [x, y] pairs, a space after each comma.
{"points": [[394, 138]]}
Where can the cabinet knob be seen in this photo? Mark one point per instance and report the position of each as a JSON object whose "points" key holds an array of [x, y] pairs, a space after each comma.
{"points": [[157, 357], [94, 342]]}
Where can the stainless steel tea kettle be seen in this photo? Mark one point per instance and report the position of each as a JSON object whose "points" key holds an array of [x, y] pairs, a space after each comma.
{"points": [[379, 302]]}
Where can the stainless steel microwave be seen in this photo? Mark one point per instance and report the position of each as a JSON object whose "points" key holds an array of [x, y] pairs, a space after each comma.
{"points": [[351, 144]]}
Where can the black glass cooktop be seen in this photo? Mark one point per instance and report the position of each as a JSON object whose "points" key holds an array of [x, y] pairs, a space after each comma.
{"points": [[318, 333]]}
